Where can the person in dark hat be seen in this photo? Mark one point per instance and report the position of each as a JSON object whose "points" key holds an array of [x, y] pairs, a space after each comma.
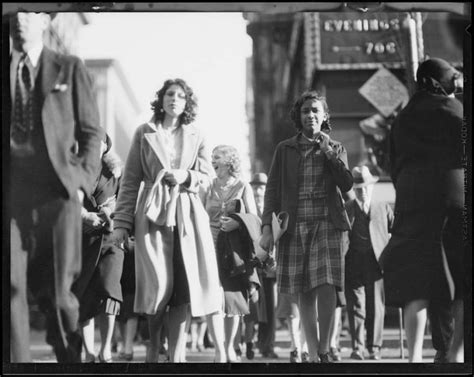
{"points": [[437, 76], [426, 166], [98, 288], [370, 226], [55, 136], [266, 273]]}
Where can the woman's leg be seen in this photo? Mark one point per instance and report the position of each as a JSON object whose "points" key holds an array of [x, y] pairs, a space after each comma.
{"points": [[215, 325], [128, 334], [202, 327], [334, 340], [303, 342], [309, 320], [88, 335], [415, 324], [326, 303], [194, 335], [178, 318], [106, 326], [294, 328], [238, 339], [231, 325], [456, 352], [249, 332], [155, 324]]}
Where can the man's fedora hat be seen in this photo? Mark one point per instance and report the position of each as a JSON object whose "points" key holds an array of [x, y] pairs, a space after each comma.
{"points": [[259, 179], [363, 177]]}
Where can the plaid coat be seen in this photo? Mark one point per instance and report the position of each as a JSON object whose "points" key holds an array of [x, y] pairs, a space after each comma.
{"points": [[312, 255]]}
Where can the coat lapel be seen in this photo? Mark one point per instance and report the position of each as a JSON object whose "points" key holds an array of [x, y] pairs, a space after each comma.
{"points": [[157, 145], [190, 147], [49, 72]]}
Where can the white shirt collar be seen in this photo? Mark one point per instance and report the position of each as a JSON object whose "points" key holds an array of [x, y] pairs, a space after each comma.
{"points": [[361, 204], [33, 54]]}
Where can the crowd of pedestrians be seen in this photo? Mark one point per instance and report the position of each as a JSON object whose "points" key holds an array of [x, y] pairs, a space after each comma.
{"points": [[174, 241]]}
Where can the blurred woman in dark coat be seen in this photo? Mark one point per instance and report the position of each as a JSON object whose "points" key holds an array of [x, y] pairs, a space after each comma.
{"points": [[98, 287], [425, 148]]}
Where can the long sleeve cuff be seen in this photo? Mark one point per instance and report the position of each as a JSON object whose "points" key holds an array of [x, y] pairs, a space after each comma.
{"points": [[120, 222]]}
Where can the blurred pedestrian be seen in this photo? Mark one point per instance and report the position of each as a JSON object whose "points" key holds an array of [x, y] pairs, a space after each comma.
{"points": [[198, 330], [54, 160], [371, 223], [307, 175], [127, 319], [425, 146], [98, 287], [228, 196], [169, 155], [267, 276]]}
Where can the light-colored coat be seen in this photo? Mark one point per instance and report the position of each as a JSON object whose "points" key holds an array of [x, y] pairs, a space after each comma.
{"points": [[153, 242]]}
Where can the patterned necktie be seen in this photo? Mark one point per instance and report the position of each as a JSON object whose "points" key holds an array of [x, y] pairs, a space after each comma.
{"points": [[23, 115]]}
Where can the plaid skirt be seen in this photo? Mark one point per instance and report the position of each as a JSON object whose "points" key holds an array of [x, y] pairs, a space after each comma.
{"points": [[313, 255]]}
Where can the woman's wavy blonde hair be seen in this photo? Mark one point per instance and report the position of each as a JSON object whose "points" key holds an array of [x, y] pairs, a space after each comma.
{"points": [[231, 158]]}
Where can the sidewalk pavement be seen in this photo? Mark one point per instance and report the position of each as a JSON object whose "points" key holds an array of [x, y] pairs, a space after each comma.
{"points": [[391, 351]]}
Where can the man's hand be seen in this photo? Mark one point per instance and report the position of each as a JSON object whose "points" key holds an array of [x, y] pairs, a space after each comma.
{"points": [[266, 241], [120, 238]]}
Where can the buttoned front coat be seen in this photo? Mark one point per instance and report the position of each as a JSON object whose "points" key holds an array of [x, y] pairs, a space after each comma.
{"points": [[70, 120], [282, 187], [71, 128], [154, 243]]}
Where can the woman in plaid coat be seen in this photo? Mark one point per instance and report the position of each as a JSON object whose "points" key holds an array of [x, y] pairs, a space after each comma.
{"points": [[308, 173]]}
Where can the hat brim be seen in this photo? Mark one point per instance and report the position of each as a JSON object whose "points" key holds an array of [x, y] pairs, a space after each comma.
{"points": [[367, 183]]}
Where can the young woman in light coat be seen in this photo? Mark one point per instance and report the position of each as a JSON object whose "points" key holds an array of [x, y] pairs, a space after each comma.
{"points": [[174, 251]]}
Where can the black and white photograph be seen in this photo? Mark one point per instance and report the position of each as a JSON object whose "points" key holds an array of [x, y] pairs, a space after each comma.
{"points": [[238, 188]]}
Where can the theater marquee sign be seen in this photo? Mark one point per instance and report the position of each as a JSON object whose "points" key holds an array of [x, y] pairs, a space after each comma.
{"points": [[354, 40]]}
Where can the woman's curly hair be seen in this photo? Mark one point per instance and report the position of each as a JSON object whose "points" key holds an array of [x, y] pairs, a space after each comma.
{"points": [[295, 112], [230, 157], [190, 109]]}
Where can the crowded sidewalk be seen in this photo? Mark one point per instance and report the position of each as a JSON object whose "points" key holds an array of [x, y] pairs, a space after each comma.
{"points": [[391, 352]]}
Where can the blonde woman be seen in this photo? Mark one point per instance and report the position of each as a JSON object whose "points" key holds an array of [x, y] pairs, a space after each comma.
{"points": [[227, 190]]}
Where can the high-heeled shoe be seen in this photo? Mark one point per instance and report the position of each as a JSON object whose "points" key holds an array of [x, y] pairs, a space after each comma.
{"points": [[125, 356], [89, 359], [102, 360]]}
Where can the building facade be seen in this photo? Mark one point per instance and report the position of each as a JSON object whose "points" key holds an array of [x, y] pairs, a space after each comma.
{"points": [[337, 53]]}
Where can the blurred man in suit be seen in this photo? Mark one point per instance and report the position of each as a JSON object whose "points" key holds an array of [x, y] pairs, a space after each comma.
{"points": [[54, 160], [370, 226]]}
